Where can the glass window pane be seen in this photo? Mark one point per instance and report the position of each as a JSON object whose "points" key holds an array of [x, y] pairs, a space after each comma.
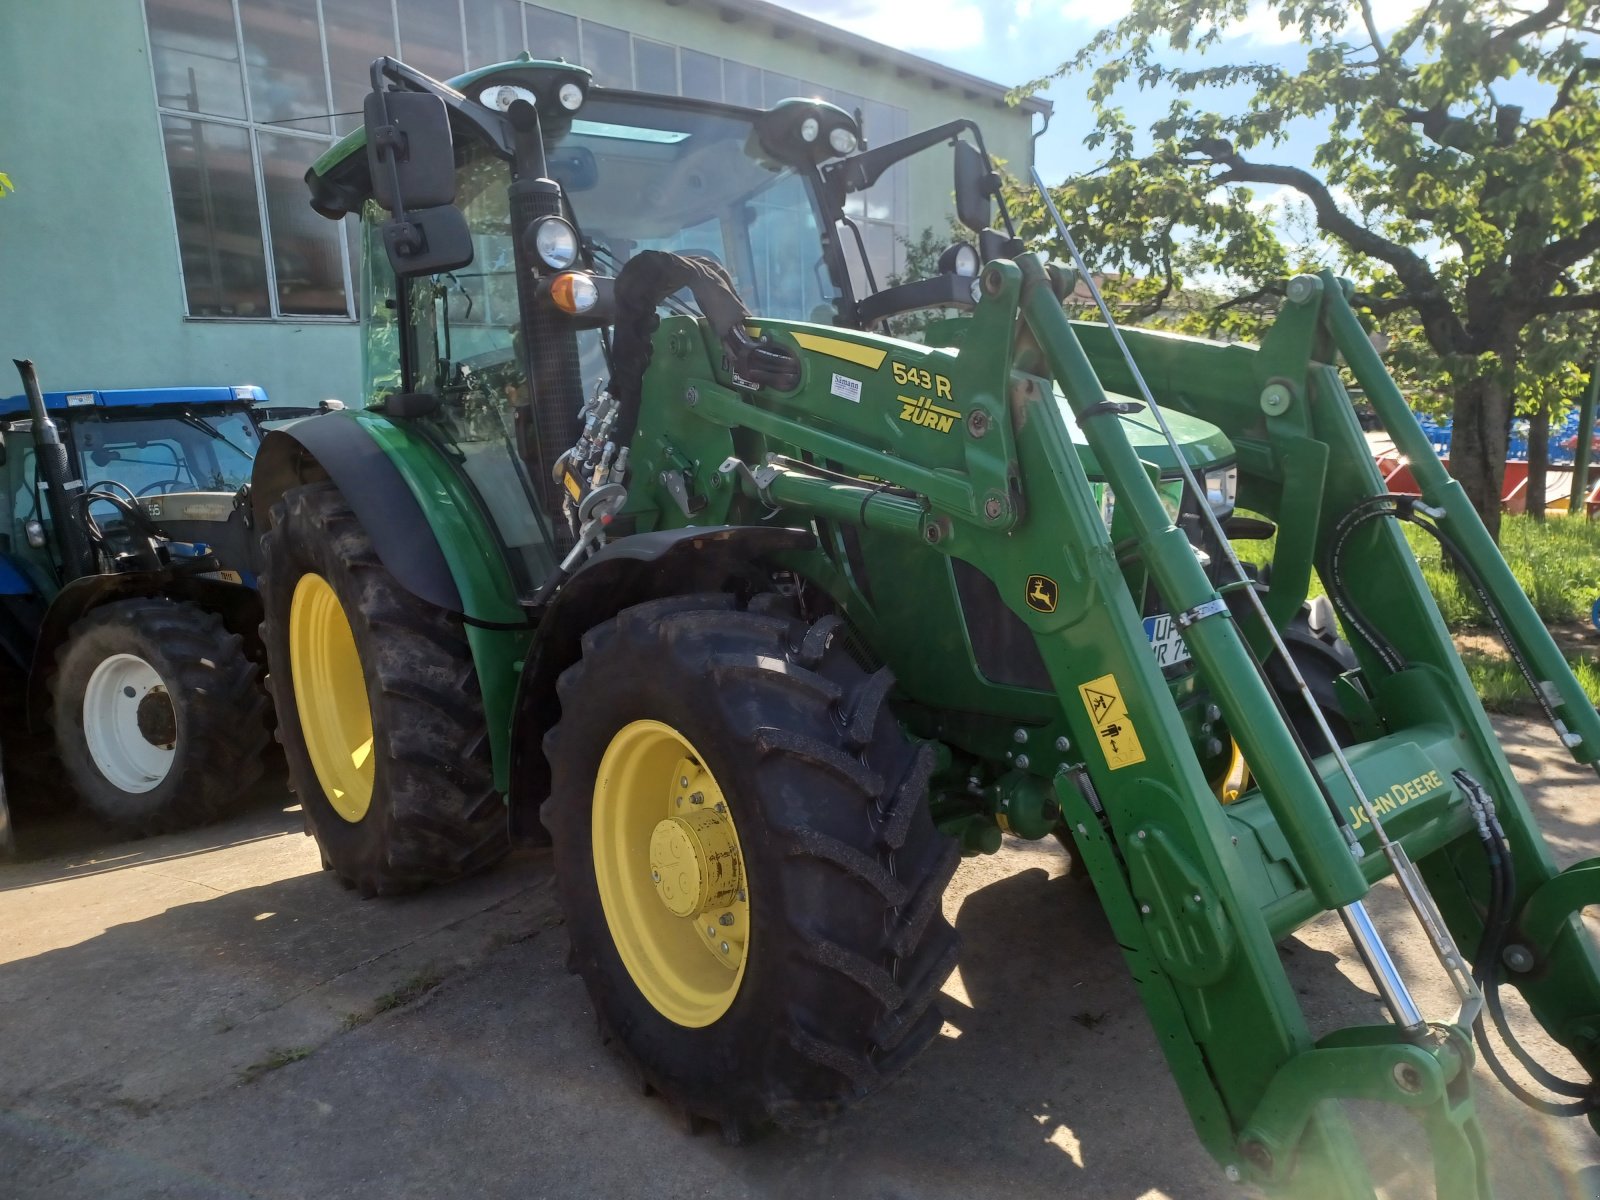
{"points": [[877, 123], [430, 37], [196, 53], [777, 87], [655, 67], [283, 54], [494, 31], [553, 36], [358, 32], [848, 101], [305, 247], [702, 74], [741, 84], [219, 226], [605, 52]]}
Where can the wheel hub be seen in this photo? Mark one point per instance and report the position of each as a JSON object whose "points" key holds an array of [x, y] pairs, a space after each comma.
{"points": [[158, 723], [695, 864], [670, 873], [129, 724]]}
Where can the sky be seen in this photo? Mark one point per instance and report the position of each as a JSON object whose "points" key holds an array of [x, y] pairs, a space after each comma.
{"points": [[1013, 41]]}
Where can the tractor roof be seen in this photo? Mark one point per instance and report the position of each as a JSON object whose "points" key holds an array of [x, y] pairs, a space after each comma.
{"points": [[170, 397], [339, 180]]}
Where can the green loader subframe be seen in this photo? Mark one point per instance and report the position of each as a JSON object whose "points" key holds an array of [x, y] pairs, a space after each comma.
{"points": [[762, 619]]}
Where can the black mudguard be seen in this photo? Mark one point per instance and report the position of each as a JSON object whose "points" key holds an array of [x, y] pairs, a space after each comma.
{"points": [[336, 448], [629, 571]]}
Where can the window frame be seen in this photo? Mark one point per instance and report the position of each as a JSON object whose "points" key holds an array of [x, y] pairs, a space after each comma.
{"points": [[252, 130], [898, 224]]}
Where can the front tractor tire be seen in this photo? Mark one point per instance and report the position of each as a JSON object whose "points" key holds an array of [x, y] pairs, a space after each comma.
{"points": [[379, 709], [158, 715], [751, 879]]}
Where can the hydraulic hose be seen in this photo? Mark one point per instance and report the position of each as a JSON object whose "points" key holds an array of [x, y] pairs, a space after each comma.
{"points": [[1486, 968]]}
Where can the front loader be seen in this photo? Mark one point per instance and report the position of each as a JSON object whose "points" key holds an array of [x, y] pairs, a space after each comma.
{"points": [[648, 541]]}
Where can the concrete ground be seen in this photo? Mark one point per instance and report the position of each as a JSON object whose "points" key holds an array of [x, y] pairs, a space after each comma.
{"points": [[209, 1015]]}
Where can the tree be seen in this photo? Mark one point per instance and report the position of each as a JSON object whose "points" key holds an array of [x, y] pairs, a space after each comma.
{"points": [[1469, 222]]}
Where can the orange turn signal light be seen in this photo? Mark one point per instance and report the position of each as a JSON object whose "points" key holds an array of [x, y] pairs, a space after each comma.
{"points": [[573, 292]]}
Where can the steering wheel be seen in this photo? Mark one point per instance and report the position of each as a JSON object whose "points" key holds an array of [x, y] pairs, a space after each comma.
{"points": [[149, 488], [114, 483]]}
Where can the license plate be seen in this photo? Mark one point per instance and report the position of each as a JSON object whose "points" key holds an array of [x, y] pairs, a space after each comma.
{"points": [[1165, 640]]}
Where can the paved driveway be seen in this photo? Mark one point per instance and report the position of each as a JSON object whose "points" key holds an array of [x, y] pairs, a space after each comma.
{"points": [[211, 1015]]}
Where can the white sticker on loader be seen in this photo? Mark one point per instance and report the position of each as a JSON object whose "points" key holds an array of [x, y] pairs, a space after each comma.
{"points": [[846, 388]]}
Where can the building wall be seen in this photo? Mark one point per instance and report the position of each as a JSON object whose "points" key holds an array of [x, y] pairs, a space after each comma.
{"points": [[91, 284]]}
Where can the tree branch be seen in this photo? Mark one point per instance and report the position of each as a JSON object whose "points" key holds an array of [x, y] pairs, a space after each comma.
{"points": [[1146, 309], [1562, 253], [1372, 32], [1547, 16], [1585, 67], [1584, 302], [1444, 328]]}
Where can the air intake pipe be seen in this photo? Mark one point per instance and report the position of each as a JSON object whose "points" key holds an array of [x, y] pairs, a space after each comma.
{"points": [[72, 537]]}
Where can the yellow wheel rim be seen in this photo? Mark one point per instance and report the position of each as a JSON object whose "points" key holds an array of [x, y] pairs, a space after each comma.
{"points": [[670, 873], [331, 694]]}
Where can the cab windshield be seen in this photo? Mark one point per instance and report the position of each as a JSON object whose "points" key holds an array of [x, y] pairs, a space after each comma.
{"points": [[209, 451], [640, 173]]}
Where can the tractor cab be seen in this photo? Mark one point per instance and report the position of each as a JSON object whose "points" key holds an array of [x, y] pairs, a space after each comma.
{"points": [[166, 459], [499, 212]]}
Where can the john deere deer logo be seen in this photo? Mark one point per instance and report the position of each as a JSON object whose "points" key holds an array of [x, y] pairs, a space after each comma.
{"points": [[1042, 593]]}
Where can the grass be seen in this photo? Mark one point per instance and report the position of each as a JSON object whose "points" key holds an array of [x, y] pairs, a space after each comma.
{"points": [[1555, 561], [419, 985], [1501, 686], [280, 1057]]}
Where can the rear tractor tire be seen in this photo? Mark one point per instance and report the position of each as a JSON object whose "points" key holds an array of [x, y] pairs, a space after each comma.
{"points": [[751, 879], [379, 710], [159, 717]]}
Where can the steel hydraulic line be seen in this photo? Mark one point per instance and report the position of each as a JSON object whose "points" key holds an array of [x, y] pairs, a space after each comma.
{"points": [[1379, 962]]}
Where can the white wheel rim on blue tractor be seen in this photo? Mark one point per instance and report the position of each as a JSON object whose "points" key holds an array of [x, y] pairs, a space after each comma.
{"points": [[123, 750]]}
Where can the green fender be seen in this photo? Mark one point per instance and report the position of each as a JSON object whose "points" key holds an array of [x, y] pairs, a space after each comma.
{"points": [[427, 528]]}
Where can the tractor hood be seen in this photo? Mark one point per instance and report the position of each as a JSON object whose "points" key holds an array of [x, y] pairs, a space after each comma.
{"points": [[1204, 445]]}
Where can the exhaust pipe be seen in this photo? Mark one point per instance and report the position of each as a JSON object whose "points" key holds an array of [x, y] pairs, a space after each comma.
{"points": [[71, 533]]}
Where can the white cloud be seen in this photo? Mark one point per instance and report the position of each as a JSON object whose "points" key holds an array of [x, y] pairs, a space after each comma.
{"points": [[904, 24], [1095, 12], [1261, 22]]}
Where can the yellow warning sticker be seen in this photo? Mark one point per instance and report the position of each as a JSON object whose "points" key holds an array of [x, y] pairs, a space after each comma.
{"points": [[1113, 728]]}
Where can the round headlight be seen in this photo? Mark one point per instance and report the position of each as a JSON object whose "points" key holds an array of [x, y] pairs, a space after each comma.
{"points": [[842, 141], [556, 243], [809, 129], [960, 259], [571, 96], [507, 94], [574, 292]]}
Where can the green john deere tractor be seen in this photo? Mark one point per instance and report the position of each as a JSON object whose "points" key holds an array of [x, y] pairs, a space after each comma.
{"points": [[645, 541]]}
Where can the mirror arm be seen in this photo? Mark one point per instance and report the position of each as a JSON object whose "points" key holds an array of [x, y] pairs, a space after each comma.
{"points": [[493, 127], [860, 171]]}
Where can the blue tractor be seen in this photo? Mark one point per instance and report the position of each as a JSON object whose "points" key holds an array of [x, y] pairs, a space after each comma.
{"points": [[130, 664]]}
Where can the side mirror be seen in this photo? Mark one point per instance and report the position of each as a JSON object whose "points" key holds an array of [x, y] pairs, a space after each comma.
{"points": [[2, 447], [412, 159], [975, 187], [409, 150]]}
